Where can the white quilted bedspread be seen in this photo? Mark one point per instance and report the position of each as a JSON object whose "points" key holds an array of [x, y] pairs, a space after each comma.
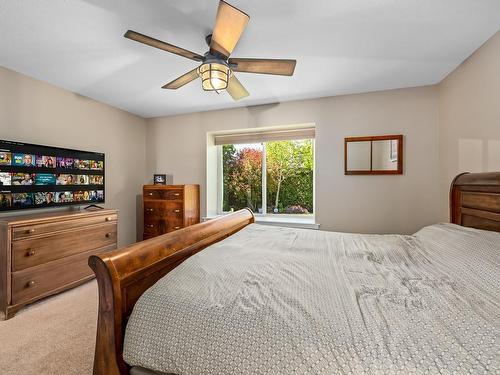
{"points": [[271, 300]]}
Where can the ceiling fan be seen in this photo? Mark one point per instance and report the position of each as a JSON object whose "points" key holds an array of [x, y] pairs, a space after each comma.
{"points": [[217, 69]]}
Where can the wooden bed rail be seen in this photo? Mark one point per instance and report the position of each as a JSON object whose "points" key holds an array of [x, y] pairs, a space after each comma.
{"points": [[124, 274]]}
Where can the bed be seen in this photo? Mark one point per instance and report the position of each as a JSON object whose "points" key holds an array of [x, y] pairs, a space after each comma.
{"points": [[279, 300]]}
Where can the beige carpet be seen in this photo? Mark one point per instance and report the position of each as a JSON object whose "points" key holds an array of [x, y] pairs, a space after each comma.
{"points": [[55, 336]]}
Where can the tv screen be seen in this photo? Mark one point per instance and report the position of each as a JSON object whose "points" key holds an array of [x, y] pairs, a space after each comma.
{"points": [[35, 176]]}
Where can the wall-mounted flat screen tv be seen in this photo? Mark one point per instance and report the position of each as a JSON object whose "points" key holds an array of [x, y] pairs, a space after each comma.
{"points": [[36, 176]]}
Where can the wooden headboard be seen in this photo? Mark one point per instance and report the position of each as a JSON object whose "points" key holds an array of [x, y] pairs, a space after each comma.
{"points": [[475, 200]]}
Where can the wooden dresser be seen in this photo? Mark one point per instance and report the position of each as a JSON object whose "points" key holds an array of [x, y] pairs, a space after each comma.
{"points": [[43, 254], [170, 207]]}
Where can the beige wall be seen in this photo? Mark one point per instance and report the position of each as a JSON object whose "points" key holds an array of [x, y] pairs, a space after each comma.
{"points": [[36, 112], [448, 128], [469, 117], [375, 204]]}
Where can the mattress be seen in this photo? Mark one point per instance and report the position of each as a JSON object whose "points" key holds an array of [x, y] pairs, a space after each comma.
{"points": [[273, 300]]}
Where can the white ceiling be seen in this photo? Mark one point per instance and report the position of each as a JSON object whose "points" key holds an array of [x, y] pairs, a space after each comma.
{"points": [[341, 46]]}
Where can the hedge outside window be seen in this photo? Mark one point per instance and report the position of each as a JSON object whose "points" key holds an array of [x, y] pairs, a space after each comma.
{"points": [[274, 177]]}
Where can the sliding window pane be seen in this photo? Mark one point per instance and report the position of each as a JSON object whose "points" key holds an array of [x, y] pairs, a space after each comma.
{"points": [[290, 166], [242, 177]]}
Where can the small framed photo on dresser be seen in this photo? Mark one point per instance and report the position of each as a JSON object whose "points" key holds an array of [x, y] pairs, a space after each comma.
{"points": [[160, 179]]}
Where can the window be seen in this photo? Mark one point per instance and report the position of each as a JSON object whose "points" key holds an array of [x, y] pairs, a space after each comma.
{"points": [[289, 177], [272, 177], [242, 177]]}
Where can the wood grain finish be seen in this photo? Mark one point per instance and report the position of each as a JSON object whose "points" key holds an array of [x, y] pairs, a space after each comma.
{"points": [[40, 250], [169, 207], [42, 279], [229, 25], [34, 229], [475, 200], [5, 266], [141, 38], [280, 67], [160, 209], [43, 254], [123, 275], [481, 201], [182, 80]]}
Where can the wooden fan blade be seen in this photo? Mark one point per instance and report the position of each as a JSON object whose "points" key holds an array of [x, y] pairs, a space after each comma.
{"points": [[141, 38], [182, 80], [229, 25], [263, 66], [236, 89]]}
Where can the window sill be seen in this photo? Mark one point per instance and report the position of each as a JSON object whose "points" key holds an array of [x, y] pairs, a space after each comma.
{"points": [[283, 221]]}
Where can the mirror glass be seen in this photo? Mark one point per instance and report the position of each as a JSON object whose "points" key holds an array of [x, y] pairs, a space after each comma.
{"points": [[385, 155], [358, 156]]}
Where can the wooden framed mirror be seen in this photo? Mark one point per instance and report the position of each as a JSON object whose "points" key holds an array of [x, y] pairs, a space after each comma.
{"points": [[381, 154]]}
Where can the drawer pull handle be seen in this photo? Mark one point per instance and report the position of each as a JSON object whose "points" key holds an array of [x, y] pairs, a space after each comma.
{"points": [[177, 194], [177, 227], [30, 231], [30, 284], [109, 218], [150, 194], [177, 211], [108, 234], [150, 225], [151, 209], [31, 252]]}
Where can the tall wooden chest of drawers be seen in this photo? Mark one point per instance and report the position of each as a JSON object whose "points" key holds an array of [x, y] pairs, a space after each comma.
{"points": [[170, 207], [43, 254]]}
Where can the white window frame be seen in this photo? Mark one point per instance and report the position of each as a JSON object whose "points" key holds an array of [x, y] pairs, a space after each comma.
{"points": [[263, 214]]}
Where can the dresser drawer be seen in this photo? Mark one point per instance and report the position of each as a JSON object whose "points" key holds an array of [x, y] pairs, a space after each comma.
{"points": [[164, 194], [153, 194], [48, 278], [177, 194], [154, 227], [34, 251], [173, 222], [162, 209], [28, 231], [157, 226], [153, 210]]}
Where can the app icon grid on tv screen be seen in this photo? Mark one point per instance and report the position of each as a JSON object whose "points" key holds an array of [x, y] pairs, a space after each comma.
{"points": [[36, 176]]}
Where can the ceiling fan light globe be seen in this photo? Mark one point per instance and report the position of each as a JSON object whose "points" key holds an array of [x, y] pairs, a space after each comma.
{"points": [[218, 84], [214, 76]]}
